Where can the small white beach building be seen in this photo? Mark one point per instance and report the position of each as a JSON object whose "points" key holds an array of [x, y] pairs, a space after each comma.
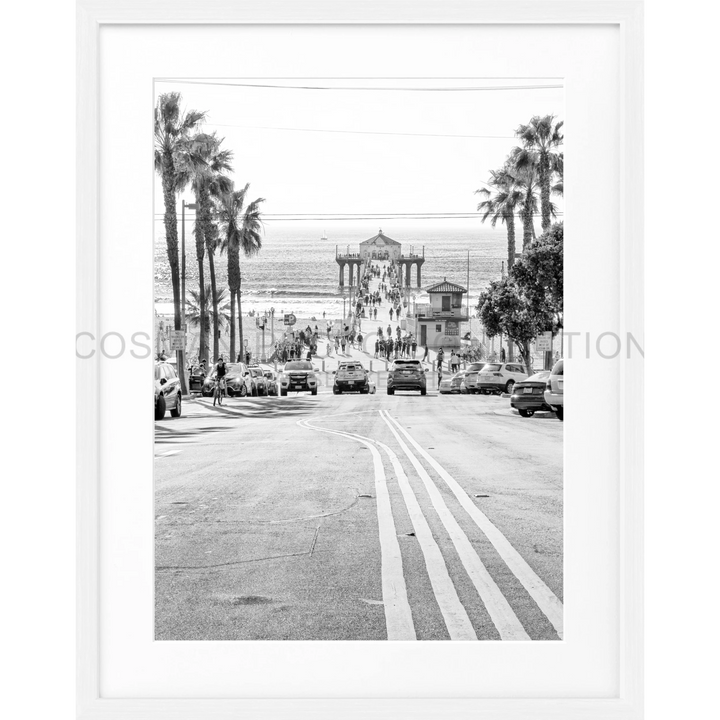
{"points": [[437, 322]]}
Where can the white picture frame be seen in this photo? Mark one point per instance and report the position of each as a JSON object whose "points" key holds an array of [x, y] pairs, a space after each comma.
{"points": [[627, 16]]}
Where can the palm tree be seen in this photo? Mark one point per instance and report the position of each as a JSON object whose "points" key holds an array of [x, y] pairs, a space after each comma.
{"points": [[501, 204], [200, 312], [172, 129], [242, 231], [204, 165], [524, 166], [559, 186], [540, 138]]}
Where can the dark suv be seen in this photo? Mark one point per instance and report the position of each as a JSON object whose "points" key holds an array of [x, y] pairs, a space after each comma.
{"points": [[406, 375], [351, 377]]}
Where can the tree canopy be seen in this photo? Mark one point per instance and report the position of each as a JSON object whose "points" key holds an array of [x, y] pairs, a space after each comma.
{"points": [[529, 301], [539, 275]]}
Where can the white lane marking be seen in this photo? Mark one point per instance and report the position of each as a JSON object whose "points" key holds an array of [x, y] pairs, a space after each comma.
{"points": [[398, 616], [454, 614], [545, 598], [167, 454], [502, 615], [453, 611]]}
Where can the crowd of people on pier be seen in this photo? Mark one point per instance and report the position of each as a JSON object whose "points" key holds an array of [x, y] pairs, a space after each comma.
{"points": [[388, 291], [403, 346], [302, 345], [388, 343]]}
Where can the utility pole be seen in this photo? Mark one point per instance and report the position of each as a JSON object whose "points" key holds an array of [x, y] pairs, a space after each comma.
{"points": [[241, 336], [264, 322], [468, 291]]}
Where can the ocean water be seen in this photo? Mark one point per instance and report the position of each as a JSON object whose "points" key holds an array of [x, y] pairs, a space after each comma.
{"points": [[296, 270]]}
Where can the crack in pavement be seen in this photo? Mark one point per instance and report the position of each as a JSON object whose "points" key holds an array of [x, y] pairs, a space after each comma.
{"points": [[330, 513], [232, 563]]}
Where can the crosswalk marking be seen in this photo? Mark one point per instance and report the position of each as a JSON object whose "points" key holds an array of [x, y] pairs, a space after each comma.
{"points": [[546, 600], [502, 615]]}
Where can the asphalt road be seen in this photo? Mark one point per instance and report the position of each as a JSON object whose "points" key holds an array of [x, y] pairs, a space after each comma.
{"points": [[358, 517]]}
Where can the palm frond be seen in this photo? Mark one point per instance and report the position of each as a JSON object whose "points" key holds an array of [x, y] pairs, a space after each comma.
{"points": [[172, 133]]}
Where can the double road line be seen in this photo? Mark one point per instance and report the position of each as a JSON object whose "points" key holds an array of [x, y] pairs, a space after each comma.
{"points": [[398, 613]]}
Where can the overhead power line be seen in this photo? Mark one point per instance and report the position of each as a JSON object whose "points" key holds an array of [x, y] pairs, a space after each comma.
{"points": [[349, 216], [362, 132], [331, 216], [488, 88]]}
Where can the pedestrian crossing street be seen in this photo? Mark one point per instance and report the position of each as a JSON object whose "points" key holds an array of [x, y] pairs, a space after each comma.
{"points": [[482, 587]]}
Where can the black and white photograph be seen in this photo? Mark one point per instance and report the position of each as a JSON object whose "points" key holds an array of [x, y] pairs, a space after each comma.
{"points": [[358, 359], [338, 258]]}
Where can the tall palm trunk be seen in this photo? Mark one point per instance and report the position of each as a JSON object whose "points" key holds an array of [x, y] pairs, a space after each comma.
{"points": [[241, 339], [233, 254], [200, 253], [213, 286], [210, 232], [510, 223], [171, 240], [527, 220], [210, 235], [232, 326], [544, 180]]}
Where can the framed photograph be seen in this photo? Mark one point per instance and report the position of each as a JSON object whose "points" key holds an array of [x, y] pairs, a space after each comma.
{"points": [[332, 240]]}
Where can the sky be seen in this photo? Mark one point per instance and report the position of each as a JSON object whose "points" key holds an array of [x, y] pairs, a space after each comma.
{"points": [[350, 147]]}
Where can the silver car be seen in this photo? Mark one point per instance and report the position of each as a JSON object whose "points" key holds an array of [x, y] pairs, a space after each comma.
{"points": [[554, 390], [500, 377], [258, 381], [471, 377], [168, 395]]}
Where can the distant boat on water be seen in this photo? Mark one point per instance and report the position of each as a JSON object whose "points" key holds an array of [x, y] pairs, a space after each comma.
{"points": [[324, 236]]}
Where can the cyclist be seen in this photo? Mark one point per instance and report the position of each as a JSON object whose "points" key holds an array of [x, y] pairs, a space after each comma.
{"points": [[220, 373]]}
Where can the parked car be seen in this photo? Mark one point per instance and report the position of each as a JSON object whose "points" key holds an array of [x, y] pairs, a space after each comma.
{"points": [[456, 381], [471, 377], [554, 390], [298, 375], [270, 381], [528, 395], [237, 382], [196, 378], [351, 376], [258, 381], [445, 386], [406, 375], [500, 377], [371, 383], [168, 395]]}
